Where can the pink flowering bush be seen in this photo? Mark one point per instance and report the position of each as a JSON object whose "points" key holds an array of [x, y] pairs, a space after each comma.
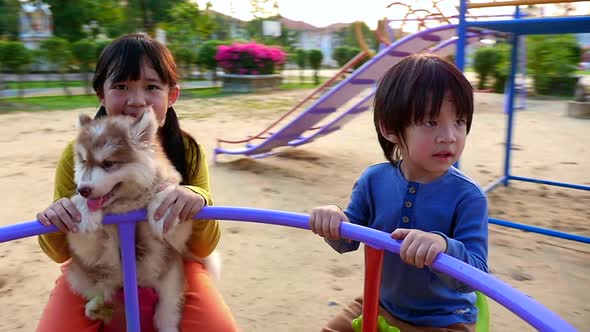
{"points": [[250, 58]]}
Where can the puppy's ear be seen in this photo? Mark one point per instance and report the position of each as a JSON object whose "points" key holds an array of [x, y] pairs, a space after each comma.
{"points": [[144, 127], [83, 119]]}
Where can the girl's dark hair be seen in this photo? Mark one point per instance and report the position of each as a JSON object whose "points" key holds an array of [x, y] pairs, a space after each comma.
{"points": [[412, 91], [122, 60]]}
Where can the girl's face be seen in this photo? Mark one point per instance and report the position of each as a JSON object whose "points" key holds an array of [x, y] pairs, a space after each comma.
{"points": [[148, 93], [433, 145]]}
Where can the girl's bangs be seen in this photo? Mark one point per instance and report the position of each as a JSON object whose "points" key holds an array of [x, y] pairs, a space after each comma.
{"points": [[134, 54]]}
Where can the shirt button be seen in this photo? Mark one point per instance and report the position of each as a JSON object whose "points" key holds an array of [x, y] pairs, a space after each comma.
{"points": [[406, 219], [412, 190], [408, 204]]}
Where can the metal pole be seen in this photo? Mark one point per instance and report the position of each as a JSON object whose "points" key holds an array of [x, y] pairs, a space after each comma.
{"points": [[509, 103], [127, 238], [516, 3], [460, 50]]}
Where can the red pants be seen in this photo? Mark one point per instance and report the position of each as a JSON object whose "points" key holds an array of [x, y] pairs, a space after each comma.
{"points": [[204, 309]]}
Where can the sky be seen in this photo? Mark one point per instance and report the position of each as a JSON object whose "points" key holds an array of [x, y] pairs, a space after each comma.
{"points": [[321, 13]]}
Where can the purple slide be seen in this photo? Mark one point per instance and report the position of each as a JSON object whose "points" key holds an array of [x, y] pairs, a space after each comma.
{"points": [[359, 85]]}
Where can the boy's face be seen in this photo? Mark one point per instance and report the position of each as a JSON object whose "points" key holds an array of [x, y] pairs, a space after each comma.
{"points": [[148, 93], [433, 145]]}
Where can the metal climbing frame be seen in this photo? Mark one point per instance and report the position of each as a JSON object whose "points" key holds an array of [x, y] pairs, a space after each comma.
{"points": [[520, 27]]}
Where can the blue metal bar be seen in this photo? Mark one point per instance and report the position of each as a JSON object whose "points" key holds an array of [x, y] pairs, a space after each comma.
{"points": [[461, 35], [431, 18], [493, 184], [551, 183], [519, 303], [540, 230], [127, 240], [509, 107], [537, 25], [461, 43], [521, 89]]}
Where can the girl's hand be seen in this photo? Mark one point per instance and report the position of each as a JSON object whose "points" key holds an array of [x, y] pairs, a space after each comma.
{"points": [[419, 248], [325, 221], [63, 214], [183, 204]]}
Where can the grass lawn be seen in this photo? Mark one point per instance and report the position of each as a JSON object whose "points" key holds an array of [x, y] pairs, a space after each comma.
{"points": [[35, 104], [42, 84]]}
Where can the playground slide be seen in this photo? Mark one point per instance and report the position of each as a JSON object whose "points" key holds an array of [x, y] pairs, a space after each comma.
{"points": [[443, 48], [435, 40]]}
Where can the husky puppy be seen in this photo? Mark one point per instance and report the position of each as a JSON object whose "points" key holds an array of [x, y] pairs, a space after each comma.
{"points": [[120, 166]]}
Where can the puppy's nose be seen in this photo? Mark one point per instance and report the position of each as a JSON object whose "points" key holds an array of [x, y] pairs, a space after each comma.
{"points": [[85, 191]]}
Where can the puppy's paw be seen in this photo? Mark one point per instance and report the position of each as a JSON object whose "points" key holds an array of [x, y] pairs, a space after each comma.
{"points": [[90, 221], [97, 309], [157, 226]]}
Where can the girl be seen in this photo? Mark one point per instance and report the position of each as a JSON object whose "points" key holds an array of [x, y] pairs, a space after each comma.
{"points": [[422, 112], [136, 73]]}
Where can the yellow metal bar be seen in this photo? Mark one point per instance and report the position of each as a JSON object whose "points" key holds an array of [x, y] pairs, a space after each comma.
{"points": [[515, 3]]}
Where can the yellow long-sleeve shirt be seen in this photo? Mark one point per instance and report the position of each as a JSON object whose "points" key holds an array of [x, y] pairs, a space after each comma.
{"points": [[205, 235]]}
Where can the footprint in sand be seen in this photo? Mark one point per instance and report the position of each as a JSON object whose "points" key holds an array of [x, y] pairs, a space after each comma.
{"points": [[234, 230], [340, 271], [520, 275], [503, 243]]}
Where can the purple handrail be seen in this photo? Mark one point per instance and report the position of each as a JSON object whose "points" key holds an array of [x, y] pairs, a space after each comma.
{"points": [[525, 307]]}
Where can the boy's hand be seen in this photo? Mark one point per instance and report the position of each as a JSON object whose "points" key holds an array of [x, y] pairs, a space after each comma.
{"points": [[419, 248], [325, 221]]}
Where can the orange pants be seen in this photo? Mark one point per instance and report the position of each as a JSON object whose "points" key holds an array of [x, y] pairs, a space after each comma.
{"points": [[204, 309]]}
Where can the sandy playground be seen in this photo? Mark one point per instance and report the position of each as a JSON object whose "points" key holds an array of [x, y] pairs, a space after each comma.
{"points": [[284, 279]]}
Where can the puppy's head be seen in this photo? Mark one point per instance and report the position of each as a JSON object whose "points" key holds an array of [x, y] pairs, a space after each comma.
{"points": [[113, 157]]}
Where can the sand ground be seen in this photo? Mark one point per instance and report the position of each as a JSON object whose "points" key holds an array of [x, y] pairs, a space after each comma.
{"points": [[284, 279]]}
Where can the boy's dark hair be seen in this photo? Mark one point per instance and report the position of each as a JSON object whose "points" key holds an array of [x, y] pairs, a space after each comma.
{"points": [[412, 91], [122, 60]]}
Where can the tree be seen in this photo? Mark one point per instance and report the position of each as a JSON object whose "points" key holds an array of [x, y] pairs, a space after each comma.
{"points": [[484, 62], [502, 68], [315, 58], [340, 54], [343, 54], [552, 61], [110, 16], [207, 24], [206, 56], [100, 46], [185, 55], [17, 57], [84, 54], [301, 59], [145, 15], [2, 65], [69, 16], [57, 52], [9, 14], [348, 36], [183, 27], [183, 22]]}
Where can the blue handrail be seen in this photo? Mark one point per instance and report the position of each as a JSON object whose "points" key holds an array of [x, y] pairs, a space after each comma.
{"points": [[525, 307]]}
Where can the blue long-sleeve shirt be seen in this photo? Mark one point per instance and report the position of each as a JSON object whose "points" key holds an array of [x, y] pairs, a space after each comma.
{"points": [[453, 206]]}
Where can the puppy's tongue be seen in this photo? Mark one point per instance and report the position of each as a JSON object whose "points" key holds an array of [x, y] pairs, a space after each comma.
{"points": [[95, 204]]}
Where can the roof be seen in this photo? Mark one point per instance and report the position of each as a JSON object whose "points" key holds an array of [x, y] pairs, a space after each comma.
{"points": [[296, 25]]}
